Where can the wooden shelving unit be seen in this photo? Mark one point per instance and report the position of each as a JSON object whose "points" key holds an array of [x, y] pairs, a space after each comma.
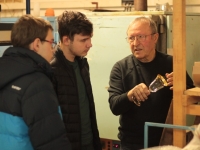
{"points": [[192, 98], [183, 100]]}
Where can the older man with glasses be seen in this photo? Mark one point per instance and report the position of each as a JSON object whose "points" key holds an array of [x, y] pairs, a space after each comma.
{"points": [[129, 95]]}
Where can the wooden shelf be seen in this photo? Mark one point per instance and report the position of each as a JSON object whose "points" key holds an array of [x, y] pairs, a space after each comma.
{"points": [[192, 100], [192, 92], [193, 110]]}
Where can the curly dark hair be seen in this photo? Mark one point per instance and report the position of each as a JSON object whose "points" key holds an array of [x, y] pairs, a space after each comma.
{"points": [[71, 23]]}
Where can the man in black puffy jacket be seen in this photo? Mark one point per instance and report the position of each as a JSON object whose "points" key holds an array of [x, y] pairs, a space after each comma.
{"points": [[30, 116], [72, 81]]}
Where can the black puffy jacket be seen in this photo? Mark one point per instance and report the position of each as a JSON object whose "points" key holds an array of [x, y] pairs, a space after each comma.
{"points": [[28, 99], [66, 88]]}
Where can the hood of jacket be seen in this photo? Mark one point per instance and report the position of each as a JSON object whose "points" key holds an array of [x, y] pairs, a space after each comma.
{"points": [[17, 62]]}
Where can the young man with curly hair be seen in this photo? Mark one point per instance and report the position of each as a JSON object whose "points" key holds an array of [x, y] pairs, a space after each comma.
{"points": [[72, 81]]}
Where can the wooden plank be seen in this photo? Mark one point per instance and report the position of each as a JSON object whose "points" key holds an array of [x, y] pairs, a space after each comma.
{"points": [[190, 100], [193, 92], [179, 69], [193, 110]]}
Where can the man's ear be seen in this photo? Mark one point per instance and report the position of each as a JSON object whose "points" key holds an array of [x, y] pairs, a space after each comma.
{"points": [[35, 45], [156, 35], [66, 40]]}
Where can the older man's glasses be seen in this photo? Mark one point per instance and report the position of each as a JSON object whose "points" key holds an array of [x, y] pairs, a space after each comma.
{"points": [[53, 44], [140, 38]]}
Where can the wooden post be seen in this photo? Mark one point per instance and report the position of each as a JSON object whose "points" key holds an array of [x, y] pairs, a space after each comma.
{"points": [[179, 69]]}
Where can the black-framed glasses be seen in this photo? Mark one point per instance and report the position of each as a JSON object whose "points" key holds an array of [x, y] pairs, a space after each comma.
{"points": [[53, 44], [140, 38]]}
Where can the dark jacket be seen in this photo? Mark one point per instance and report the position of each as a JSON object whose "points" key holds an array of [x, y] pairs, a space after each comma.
{"points": [[29, 111], [126, 74], [66, 88]]}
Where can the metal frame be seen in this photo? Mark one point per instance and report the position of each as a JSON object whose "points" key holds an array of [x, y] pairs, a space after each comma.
{"points": [[147, 124]]}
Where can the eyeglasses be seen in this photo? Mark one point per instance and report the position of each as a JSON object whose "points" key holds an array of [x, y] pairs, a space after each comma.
{"points": [[140, 38], [53, 44]]}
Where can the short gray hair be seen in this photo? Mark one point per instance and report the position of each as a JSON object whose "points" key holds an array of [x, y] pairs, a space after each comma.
{"points": [[147, 20]]}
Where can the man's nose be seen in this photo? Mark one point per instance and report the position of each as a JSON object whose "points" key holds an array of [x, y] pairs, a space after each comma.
{"points": [[89, 44], [135, 42]]}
